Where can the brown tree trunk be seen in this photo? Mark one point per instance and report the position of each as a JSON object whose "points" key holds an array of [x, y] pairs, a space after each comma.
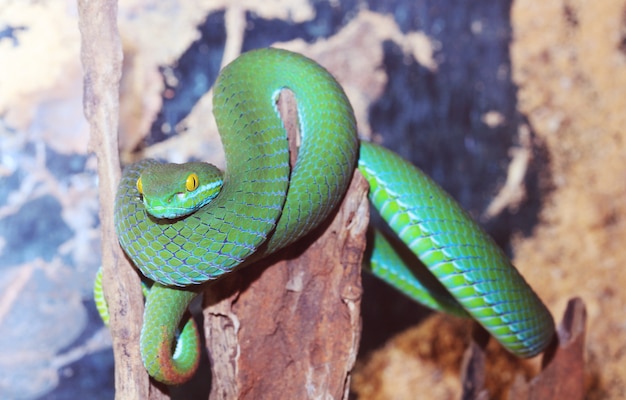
{"points": [[101, 55], [290, 328]]}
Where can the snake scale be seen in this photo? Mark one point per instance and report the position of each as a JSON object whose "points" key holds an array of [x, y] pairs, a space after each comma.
{"points": [[185, 224]]}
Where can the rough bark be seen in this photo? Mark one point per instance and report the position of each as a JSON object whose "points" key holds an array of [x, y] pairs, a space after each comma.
{"points": [[101, 55], [290, 328]]}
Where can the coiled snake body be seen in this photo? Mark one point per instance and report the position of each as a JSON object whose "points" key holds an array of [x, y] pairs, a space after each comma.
{"points": [[187, 224]]}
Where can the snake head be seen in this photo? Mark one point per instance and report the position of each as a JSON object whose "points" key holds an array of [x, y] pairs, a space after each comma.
{"points": [[176, 190]]}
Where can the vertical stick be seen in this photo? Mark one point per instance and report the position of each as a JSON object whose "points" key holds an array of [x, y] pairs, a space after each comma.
{"points": [[101, 56]]}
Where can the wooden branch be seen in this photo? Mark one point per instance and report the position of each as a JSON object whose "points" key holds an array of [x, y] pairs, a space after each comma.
{"points": [[473, 366], [290, 328], [101, 56]]}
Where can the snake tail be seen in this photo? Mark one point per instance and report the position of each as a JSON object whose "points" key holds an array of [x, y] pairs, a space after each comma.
{"points": [[98, 298], [173, 356], [169, 356]]}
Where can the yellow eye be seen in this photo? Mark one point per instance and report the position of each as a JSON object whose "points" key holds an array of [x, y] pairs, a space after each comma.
{"points": [[192, 182], [139, 186]]}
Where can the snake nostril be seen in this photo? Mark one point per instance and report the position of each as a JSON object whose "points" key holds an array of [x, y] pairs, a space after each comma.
{"points": [[172, 198]]}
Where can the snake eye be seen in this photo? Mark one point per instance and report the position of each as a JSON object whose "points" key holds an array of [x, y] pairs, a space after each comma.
{"points": [[139, 186], [192, 182]]}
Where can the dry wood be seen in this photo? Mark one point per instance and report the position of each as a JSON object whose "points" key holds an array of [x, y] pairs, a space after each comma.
{"points": [[473, 366], [101, 56], [290, 328]]}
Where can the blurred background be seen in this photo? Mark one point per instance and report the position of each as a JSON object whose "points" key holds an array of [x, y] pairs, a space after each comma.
{"points": [[515, 107]]}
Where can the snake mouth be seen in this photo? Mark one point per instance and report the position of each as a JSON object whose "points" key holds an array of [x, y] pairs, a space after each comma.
{"points": [[165, 211], [163, 214]]}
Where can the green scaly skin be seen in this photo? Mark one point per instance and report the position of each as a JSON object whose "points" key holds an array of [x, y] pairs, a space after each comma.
{"points": [[259, 210], [457, 252]]}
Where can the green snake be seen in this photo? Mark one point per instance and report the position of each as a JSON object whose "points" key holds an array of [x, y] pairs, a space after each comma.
{"points": [[185, 224]]}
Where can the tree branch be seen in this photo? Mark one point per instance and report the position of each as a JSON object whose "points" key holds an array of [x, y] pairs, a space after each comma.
{"points": [[101, 56]]}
